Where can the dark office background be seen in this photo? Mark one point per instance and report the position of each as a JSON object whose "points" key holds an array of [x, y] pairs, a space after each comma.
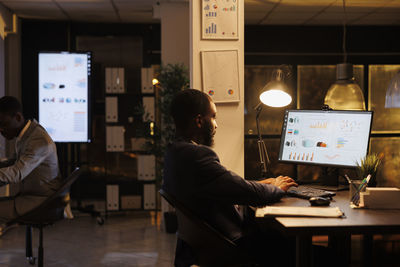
{"points": [[264, 45]]}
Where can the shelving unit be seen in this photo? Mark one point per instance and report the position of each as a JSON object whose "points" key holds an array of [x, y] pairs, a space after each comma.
{"points": [[122, 142]]}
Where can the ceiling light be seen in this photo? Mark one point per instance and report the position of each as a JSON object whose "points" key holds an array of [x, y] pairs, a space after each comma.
{"points": [[345, 93]]}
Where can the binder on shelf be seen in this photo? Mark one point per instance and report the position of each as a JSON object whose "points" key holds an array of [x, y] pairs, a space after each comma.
{"points": [[146, 167], [120, 80], [143, 79], [109, 139], [112, 197], [114, 80], [131, 202], [111, 109], [119, 139], [147, 80], [108, 80], [149, 109], [149, 196], [138, 144], [115, 140], [150, 76]]}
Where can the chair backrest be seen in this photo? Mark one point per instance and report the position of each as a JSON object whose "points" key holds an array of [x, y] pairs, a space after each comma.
{"points": [[211, 247], [52, 209]]}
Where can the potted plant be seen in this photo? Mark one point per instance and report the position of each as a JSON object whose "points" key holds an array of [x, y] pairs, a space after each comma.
{"points": [[369, 165], [172, 78]]}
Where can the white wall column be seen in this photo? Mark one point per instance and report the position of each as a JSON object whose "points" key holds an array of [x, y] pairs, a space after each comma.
{"points": [[174, 33], [229, 140]]}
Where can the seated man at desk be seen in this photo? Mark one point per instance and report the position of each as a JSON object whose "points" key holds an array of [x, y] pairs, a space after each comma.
{"points": [[194, 175], [34, 167]]}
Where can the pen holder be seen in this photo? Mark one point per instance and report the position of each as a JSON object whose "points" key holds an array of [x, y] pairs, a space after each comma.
{"points": [[354, 191]]}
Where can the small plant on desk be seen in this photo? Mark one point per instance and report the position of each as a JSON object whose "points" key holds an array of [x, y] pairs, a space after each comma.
{"points": [[369, 165]]}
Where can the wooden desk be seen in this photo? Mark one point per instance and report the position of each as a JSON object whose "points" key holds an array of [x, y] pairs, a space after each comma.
{"points": [[357, 221]]}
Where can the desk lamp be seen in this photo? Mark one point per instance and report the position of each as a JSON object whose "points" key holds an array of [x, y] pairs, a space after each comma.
{"points": [[274, 94]]}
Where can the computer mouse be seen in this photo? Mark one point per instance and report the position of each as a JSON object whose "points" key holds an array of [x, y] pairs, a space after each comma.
{"points": [[319, 201]]}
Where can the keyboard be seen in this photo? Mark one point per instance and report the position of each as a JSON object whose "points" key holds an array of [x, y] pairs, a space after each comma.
{"points": [[308, 192]]}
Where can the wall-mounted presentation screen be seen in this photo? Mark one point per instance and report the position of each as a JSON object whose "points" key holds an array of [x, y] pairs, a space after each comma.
{"points": [[338, 138], [64, 95]]}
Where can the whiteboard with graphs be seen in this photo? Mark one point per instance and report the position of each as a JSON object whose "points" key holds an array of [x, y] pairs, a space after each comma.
{"points": [[220, 19]]}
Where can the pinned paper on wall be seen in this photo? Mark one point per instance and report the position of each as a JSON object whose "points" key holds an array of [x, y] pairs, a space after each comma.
{"points": [[220, 71], [220, 19]]}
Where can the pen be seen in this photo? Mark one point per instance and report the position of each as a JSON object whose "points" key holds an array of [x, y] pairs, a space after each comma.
{"points": [[356, 197], [362, 183], [347, 178], [349, 181], [360, 188]]}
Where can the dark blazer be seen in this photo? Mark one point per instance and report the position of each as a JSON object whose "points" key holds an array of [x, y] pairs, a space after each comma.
{"points": [[194, 175]]}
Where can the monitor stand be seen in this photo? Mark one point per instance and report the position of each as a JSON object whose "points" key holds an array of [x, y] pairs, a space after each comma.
{"points": [[330, 180]]}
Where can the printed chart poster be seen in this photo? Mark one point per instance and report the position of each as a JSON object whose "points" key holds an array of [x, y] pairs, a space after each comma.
{"points": [[220, 19], [221, 75], [63, 95]]}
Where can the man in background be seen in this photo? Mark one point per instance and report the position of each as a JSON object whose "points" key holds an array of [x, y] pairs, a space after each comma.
{"points": [[34, 167], [194, 176]]}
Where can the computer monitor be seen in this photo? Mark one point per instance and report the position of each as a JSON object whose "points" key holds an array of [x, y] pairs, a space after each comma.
{"points": [[327, 138], [64, 95]]}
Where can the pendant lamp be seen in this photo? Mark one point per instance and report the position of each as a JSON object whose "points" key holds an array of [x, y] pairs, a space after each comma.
{"points": [[345, 93]]}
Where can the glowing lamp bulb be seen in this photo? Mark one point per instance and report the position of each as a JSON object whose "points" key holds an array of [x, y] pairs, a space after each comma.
{"points": [[275, 98]]}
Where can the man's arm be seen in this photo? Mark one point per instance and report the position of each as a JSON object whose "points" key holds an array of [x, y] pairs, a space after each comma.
{"points": [[215, 181], [6, 162], [36, 151]]}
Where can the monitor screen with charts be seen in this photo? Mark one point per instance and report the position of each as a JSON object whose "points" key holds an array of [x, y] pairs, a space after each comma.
{"points": [[64, 102], [327, 138]]}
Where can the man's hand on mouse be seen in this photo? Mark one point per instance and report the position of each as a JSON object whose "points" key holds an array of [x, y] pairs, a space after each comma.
{"points": [[283, 182]]}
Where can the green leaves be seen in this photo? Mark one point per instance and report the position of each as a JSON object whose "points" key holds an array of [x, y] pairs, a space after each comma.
{"points": [[172, 78], [369, 165]]}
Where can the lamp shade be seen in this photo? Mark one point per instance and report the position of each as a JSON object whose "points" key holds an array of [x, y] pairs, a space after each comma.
{"points": [[275, 98], [392, 99], [345, 93], [275, 93]]}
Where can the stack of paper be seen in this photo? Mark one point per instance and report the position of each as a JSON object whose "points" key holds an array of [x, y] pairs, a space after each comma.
{"points": [[299, 211]]}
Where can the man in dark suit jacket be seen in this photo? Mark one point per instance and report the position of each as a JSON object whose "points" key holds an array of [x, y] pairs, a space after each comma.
{"points": [[34, 166], [195, 176]]}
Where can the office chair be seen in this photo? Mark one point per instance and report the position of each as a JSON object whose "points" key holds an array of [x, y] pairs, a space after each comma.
{"points": [[47, 213], [211, 247]]}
